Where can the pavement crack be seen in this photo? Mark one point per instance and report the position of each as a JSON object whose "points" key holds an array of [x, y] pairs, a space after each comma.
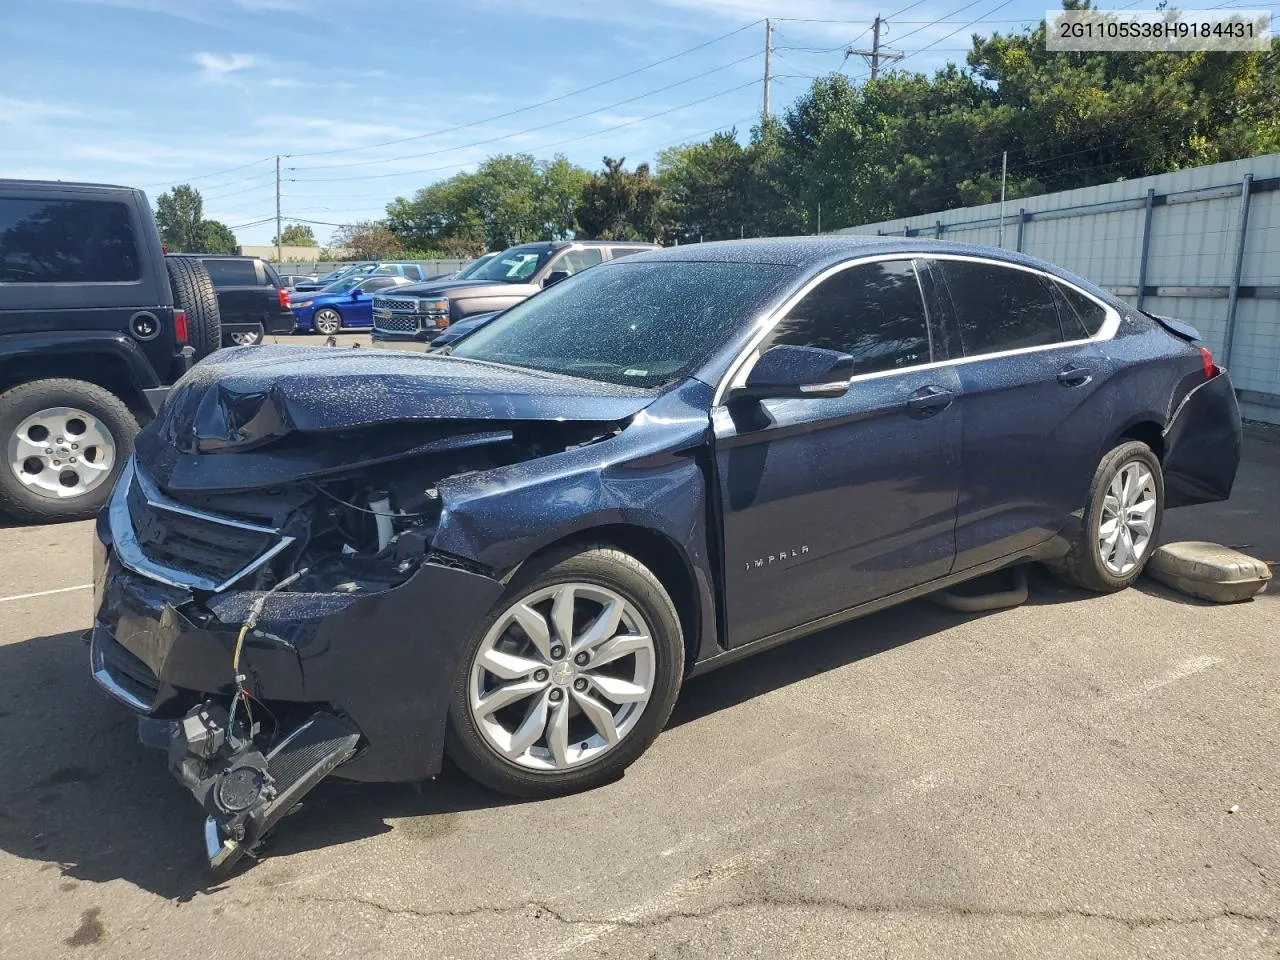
{"points": [[932, 910], [538, 910]]}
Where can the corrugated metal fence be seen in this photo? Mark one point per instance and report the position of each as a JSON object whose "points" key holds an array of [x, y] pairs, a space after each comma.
{"points": [[1200, 244]]}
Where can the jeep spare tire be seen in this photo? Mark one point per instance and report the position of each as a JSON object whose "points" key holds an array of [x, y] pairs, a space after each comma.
{"points": [[193, 292]]}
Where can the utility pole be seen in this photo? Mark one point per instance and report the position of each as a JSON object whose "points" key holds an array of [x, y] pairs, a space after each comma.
{"points": [[819, 216], [768, 55], [877, 52], [279, 259], [1004, 176]]}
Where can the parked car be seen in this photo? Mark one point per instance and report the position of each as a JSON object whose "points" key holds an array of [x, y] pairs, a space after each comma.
{"points": [[95, 324], [379, 268], [516, 553], [466, 271], [291, 280], [343, 303], [419, 313], [252, 299]]}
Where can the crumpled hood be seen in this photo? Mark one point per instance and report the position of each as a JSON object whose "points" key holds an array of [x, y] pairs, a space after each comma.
{"points": [[247, 397]]}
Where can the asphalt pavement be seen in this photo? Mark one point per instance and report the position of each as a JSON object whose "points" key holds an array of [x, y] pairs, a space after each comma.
{"points": [[1082, 776]]}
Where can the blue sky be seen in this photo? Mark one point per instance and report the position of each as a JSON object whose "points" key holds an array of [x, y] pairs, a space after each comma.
{"points": [[155, 92]]}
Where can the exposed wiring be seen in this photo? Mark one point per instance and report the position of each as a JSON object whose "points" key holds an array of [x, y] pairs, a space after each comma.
{"points": [[377, 513], [251, 621]]}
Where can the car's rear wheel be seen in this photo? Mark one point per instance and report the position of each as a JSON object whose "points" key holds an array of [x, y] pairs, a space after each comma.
{"points": [[328, 321], [65, 442], [1121, 524], [245, 339], [570, 678]]}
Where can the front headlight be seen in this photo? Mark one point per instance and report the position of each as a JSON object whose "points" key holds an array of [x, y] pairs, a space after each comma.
{"points": [[437, 310]]}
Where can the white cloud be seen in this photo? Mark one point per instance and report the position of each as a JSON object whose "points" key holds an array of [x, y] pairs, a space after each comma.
{"points": [[219, 66], [16, 111]]}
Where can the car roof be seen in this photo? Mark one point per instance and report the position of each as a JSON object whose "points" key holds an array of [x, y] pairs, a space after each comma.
{"points": [[62, 184]]}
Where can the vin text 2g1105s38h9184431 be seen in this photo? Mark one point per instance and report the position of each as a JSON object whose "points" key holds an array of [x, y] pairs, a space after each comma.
{"points": [[353, 562]]}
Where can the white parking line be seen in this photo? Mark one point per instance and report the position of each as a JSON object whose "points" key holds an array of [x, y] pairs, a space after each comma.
{"points": [[1188, 668], [46, 593]]}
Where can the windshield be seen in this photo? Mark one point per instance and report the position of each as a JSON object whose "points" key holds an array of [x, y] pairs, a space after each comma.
{"points": [[638, 324], [516, 265], [467, 272], [343, 285]]}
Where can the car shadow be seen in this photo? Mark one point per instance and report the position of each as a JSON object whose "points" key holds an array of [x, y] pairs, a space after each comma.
{"points": [[81, 794]]}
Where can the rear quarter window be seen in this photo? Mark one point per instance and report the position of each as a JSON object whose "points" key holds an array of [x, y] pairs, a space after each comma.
{"points": [[1090, 314], [232, 273], [67, 241]]}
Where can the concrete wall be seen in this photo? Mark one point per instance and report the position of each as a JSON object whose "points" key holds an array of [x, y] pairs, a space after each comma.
{"points": [[1193, 243]]}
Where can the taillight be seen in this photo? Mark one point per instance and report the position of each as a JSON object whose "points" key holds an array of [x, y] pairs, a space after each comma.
{"points": [[180, 325], [1210, 368], [283, 294]]}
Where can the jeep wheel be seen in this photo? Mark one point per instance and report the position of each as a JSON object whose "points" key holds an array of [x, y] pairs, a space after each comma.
{"points": [[193, 292], [328, 321], [570, 678], [65, 442]]}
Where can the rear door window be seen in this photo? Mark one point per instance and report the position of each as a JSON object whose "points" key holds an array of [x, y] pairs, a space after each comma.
{"points": [[232, 273], [413, 271], [1001, 308], [616, 252], [66, 241], [873, 311]]}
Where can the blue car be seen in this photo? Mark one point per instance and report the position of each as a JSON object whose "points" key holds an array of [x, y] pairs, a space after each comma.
{"points": [[343, 303], [516, 553]]}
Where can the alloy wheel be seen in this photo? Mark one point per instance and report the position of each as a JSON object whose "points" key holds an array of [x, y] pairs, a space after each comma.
{"points": [[328, 321], [1128, 518], [246, 339], [61, 452], [562, 676]]}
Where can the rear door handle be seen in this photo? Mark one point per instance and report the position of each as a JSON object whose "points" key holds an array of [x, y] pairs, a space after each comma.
{"points": [[1075, 376], [929, 400]]}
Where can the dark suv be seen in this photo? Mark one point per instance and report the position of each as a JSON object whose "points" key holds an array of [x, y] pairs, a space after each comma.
{"points": [[252, 299], [95, 324], [419, 313]]}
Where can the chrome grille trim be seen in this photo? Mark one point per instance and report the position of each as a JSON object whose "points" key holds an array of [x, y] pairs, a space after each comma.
{"points": [[391, 303], [130, 551]]}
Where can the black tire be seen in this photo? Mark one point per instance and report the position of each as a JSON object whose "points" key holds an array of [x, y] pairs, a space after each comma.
{"points": [[193, 292], [1084, 566], [608, 567], [17, 404]]}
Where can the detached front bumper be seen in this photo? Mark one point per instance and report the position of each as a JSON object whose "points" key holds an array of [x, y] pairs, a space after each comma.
{"points": [[383, 661]]}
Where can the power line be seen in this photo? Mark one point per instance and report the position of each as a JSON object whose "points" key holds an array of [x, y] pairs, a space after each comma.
{"points": [[533, 106], [204, 176], [544, 126]]}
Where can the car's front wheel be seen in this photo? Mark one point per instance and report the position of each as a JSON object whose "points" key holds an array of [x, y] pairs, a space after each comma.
{"points": [[570, 678], [1121, 522], [328, 321], [246, 339]]}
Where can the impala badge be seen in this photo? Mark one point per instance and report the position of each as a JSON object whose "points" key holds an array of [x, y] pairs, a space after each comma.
{"points": [[790, 553]]}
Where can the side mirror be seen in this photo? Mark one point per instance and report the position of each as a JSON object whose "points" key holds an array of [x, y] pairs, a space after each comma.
{"points": [[355, 294], [797, 372], [555, 276]]}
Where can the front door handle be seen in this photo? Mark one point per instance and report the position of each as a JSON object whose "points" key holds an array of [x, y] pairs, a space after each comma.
{"points": [[1075, 376], [929, 400]]}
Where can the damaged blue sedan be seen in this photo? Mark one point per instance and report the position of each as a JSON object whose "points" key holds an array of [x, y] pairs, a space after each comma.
{"points": [[352, 563]]}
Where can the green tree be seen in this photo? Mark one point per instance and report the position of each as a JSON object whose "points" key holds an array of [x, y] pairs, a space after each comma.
{"points": [[295, 235], [180, 218], [367, 240], [216, 237], [618, 204], [511, 198]]}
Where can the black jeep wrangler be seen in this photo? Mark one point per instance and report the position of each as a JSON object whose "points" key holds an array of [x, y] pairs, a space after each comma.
{"points": [[96, 323]]}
